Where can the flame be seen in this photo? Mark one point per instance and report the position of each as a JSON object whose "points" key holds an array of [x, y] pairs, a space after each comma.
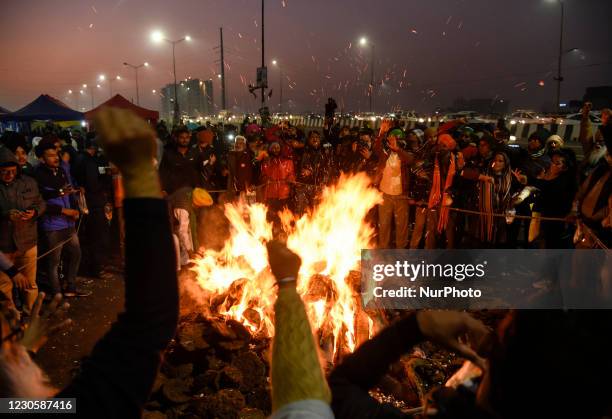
{"points": [[329, 240]]}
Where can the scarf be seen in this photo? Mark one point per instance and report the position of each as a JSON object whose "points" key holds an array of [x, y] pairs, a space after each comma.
{"points": [[438, 196], [493, 197]]}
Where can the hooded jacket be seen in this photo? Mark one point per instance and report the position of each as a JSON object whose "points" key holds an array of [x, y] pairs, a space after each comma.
{"points": [[21, 194]]}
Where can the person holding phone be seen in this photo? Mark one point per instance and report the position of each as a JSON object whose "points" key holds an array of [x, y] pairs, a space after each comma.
{"points": [[21, 205], [58, 222]]}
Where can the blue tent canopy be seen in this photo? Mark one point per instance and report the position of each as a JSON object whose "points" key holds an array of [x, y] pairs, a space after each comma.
{"points": [[44, 108]]}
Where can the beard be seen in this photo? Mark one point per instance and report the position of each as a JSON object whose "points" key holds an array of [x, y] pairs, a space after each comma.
{"points": [[596, 155], [20, 376]]}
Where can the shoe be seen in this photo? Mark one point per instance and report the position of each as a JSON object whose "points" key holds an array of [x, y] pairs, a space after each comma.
{"points": [[104, 275], [77, 293]]}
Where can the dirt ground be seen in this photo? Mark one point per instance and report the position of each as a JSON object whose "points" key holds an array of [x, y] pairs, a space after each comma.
{"points": [[92, 316]]}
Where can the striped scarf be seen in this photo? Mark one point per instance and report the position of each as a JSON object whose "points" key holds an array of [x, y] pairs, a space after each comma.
{"points": [[485, 202], [494, 197], [438, 196]]}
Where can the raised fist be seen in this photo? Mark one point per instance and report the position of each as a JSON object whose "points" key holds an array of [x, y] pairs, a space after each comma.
{"points": [[128, 141]]}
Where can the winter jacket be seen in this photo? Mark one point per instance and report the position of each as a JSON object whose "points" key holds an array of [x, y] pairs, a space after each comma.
{"points": [[207, 173], [177, 171], [21, 194], [51, 184], [320, 165], [87, 175], [241, 173], [276, 175], [406, 158]]}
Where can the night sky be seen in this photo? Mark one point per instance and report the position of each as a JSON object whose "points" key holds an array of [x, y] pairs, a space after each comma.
{"points": [[428, 52]]}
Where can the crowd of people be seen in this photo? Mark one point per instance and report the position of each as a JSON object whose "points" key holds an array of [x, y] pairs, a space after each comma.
{"points": [[454, 186]]}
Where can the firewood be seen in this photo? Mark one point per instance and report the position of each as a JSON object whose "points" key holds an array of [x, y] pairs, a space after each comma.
{"points": [[176, 390]]}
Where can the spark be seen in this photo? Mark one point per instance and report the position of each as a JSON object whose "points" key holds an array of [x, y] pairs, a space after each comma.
{"points": [[91, 25], [94, 9], [239, 35], [414, 31], [449, 19], [284, 3], [460, 25], [255, 21]]}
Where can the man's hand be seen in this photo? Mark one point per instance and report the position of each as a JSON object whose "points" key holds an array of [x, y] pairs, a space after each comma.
{"points": [[28, 215], [283, 262], [14, 215], [519, 176], [71, 213], [385, 126], [128, 141], [453, 329], [485, 178], [460, 161], [365, 153], [212, 159], [43, 326], [21, 282]]}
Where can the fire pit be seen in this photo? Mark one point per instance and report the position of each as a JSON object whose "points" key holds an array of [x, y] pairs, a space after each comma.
{"points": [[218, 365]]}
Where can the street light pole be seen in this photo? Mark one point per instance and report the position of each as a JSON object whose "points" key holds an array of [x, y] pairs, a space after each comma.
{"points": [[263, 55], [223, 105], [176, 104], [371, 75], [158, 36], [136, 67], [363, 42], [280, 105], [559, 77], [110, 84], [280, 69]]}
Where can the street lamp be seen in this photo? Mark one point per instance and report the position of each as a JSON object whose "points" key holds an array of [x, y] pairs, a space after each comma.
{"points": [[136, 67], [280, 69], [110, 83], [158, 37], [364, 42], [101, 77]]}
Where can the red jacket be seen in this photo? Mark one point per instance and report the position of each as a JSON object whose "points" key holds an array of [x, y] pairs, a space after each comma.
{"points": [[276, 175]]}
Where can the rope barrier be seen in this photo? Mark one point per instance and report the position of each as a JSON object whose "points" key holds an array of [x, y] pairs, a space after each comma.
{"points": [[48, 252]]}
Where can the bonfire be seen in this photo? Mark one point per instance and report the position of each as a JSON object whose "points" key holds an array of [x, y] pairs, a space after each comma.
{"points": [[236, 281]]}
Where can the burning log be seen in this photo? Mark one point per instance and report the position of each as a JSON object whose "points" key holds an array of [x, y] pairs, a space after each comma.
{"points": [[191, 337]]}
